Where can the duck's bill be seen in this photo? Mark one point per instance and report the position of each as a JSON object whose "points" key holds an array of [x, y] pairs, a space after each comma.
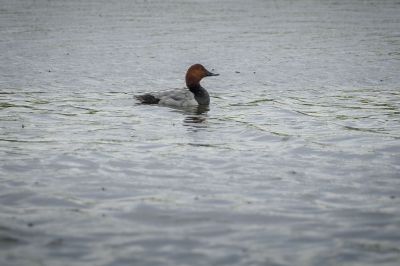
{"points": [[209, 74]]}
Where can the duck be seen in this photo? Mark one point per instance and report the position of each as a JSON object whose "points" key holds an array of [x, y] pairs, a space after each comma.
{"points": [[193, 95]]}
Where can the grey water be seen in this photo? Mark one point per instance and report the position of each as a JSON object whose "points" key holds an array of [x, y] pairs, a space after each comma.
{"points": [[295, 162]]}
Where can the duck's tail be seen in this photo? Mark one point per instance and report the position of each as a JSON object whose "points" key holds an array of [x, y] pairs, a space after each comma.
{"points": [[147, 99]]}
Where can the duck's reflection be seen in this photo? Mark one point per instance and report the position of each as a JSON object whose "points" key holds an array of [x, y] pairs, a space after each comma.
{"points": [[194, 119], [195, 116]]}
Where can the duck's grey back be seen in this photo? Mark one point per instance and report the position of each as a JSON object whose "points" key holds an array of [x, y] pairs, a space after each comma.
{"points": [[173, 97]]}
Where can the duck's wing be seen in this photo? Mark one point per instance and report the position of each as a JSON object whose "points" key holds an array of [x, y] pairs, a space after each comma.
{"points": [[178, 97]]}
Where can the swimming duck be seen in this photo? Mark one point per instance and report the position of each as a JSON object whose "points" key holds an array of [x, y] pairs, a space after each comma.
{"points": [[193, 95]]}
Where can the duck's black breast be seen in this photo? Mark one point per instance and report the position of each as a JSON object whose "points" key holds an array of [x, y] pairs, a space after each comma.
{"points": [[200, 95]]}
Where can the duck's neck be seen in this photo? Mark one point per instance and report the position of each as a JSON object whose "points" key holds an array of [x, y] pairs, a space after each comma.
{"points": [[200, 94]]}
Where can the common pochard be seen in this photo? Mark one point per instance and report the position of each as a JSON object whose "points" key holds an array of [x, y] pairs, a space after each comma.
{"points": [[193, 95]]}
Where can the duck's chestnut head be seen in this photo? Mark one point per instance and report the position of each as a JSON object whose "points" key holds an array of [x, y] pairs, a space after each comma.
{"points": [[196, 73]]}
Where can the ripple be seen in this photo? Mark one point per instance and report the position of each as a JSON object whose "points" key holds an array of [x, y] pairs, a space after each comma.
{"points": [[295, 161]]}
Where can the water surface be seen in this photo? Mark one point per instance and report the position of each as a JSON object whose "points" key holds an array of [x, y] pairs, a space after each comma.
{"points": [[295, 162]]}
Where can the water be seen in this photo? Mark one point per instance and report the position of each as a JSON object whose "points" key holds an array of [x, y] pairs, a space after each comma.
{"points": [[296, 162]]}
